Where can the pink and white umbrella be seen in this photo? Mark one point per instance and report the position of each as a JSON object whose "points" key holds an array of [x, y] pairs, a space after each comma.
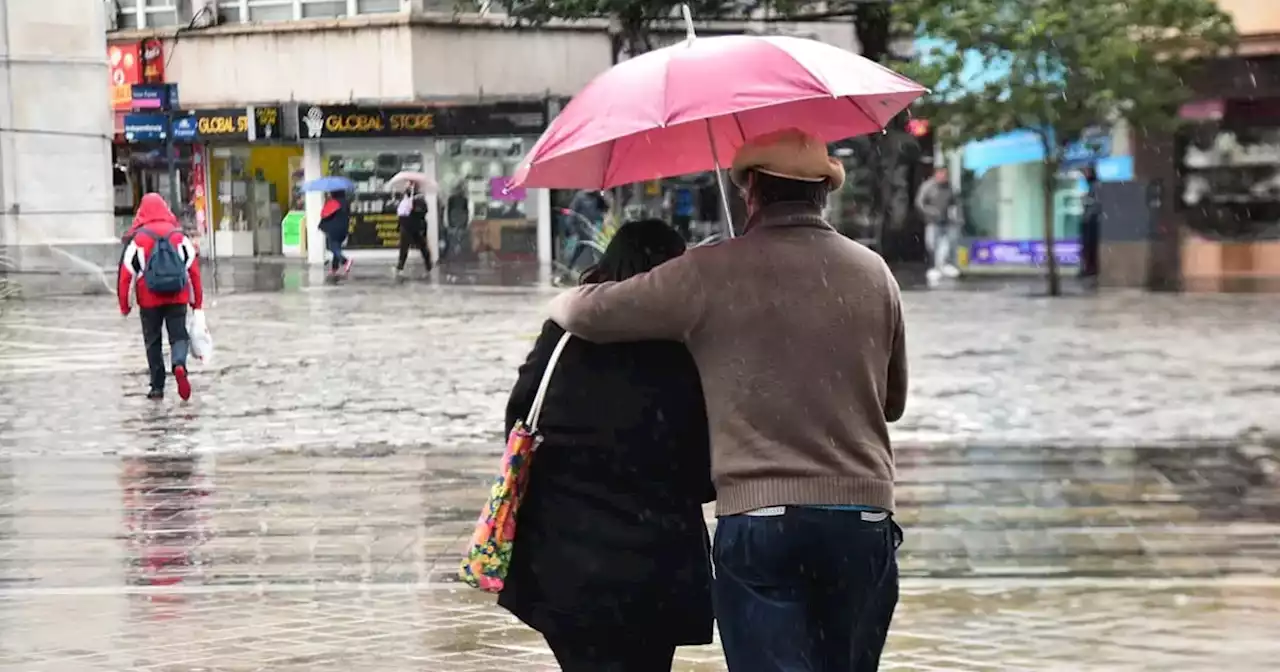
{"points": [[688, 107]]}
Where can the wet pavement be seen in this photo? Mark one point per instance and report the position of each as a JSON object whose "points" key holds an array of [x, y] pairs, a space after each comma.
{"points": [[1089, 483]]}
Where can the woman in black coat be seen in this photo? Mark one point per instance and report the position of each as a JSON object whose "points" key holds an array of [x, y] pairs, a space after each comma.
{"points": [[610, 561]]}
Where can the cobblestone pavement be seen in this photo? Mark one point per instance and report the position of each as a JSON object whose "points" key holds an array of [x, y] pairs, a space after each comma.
{"points": [[1089, 483]]}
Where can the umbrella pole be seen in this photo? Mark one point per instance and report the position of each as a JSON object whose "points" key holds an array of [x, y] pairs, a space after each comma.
{"points": [[724, 197]]}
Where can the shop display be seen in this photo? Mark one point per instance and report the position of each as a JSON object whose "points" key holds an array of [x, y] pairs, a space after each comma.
{"points": [[481, 215], [1230, 181], [247, 214], [374, 224]]}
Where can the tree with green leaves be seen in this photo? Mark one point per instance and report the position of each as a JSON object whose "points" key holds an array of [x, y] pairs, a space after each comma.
{"points": [[1058, 68]]}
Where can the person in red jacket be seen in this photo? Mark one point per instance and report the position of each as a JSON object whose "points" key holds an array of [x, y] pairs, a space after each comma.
{"points": [[160, 311]]}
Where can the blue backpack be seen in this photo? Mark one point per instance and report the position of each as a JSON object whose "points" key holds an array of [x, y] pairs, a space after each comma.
{"points": [[166, 272]]}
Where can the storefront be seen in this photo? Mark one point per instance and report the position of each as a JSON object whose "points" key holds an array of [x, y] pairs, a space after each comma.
{"points": [[1215, 184], [1001, 182], [250, 179], [142, 165], [471, 151]]}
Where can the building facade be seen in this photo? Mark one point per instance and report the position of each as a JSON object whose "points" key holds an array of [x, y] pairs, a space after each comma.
{"points": [[275, 93], [55, 143], [1214, 186]]}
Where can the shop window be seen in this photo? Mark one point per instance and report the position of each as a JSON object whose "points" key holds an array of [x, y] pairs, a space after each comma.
{"points": [[1229, 181], [374, 224], [318, 9], [270, 10], [232, 11], [479, 218], [161, 13], [128, 14], [377, 6]]}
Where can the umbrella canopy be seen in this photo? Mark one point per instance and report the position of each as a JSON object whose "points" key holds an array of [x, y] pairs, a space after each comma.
{"points": [[687, 107], [329, 184], [421, 181]]}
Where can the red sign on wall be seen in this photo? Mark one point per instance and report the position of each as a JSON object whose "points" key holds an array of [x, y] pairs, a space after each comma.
{"points": [[124, 62], [133, 63], [152, 53]]}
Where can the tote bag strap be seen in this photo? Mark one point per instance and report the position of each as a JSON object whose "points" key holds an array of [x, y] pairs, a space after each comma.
{"points": [[536, 409]]}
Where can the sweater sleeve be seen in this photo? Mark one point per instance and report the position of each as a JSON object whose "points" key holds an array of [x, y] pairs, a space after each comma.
{"points": [[530, 374], [666, 303]]}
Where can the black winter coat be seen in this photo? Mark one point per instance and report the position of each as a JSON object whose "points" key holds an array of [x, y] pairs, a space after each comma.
{"points": [[337, 223], [610, 537]]}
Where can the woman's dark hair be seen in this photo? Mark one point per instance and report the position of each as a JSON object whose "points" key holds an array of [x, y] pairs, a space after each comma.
{"points": [[637, 247], [769, 189]]}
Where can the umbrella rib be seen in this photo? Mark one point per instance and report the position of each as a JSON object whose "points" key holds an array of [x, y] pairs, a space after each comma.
{"points": [[608, 163], [863, 110], [741, 132]]}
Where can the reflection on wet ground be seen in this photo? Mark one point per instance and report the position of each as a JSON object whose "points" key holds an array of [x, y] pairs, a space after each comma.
{"points": [[1086, 484], [1016, 558]]}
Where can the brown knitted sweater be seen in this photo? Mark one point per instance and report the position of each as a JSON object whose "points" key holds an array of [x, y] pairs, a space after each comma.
{"points": [[798, 336]]}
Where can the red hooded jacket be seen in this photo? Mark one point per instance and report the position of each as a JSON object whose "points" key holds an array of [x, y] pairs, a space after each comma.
{"points": [[154, 216]]}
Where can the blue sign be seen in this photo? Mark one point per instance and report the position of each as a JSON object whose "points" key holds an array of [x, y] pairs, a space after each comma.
{"points": [[1022, 252], [145, 127], [1115, 169], [155, 96], [1026, 146], [185, 128]]}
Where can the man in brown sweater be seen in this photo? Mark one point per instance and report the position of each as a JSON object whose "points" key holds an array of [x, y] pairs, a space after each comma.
{"points": [[798, 336]]}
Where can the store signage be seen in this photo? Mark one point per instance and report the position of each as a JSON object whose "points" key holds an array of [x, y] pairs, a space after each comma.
{"points": [[350, 121], [514, 118], [145, 127], [1022, 252], [228, 123], [124, 65], [353, 121], [185, 128], [243, 124], [133, 63], [266, 123], [154, 96], [151, 52], [199, 199]]}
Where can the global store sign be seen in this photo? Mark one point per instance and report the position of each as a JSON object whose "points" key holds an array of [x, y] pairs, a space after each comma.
{"points": [[316, 122], [237, 124]]}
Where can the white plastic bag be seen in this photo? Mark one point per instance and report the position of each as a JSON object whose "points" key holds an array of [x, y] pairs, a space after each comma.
{"points": [[201, 339]]}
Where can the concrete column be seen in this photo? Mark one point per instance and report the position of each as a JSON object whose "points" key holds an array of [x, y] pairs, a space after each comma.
{"points": [[56, 198], [543, 199], [433, 210], [312, 168]]}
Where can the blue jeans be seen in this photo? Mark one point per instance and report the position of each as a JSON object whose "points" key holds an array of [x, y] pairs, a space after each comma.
{"points": [[812, 590], [335, 249]]}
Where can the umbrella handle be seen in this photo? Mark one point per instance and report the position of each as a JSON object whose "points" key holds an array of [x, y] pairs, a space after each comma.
{"points": [[724, 197]]}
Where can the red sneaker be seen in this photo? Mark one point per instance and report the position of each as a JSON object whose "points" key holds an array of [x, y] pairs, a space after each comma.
{"points": [[346, 268], [184, 384]]}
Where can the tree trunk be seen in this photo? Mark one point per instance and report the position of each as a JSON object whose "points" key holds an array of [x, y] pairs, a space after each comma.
{"points": [[1050, 188]]}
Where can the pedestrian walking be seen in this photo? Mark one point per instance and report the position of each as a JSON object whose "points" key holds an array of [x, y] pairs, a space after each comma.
{"points": [[798, 336], [940, 208], [610, 561], [335, 224], [1090, 227], [412, 214], [162, 268]]}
